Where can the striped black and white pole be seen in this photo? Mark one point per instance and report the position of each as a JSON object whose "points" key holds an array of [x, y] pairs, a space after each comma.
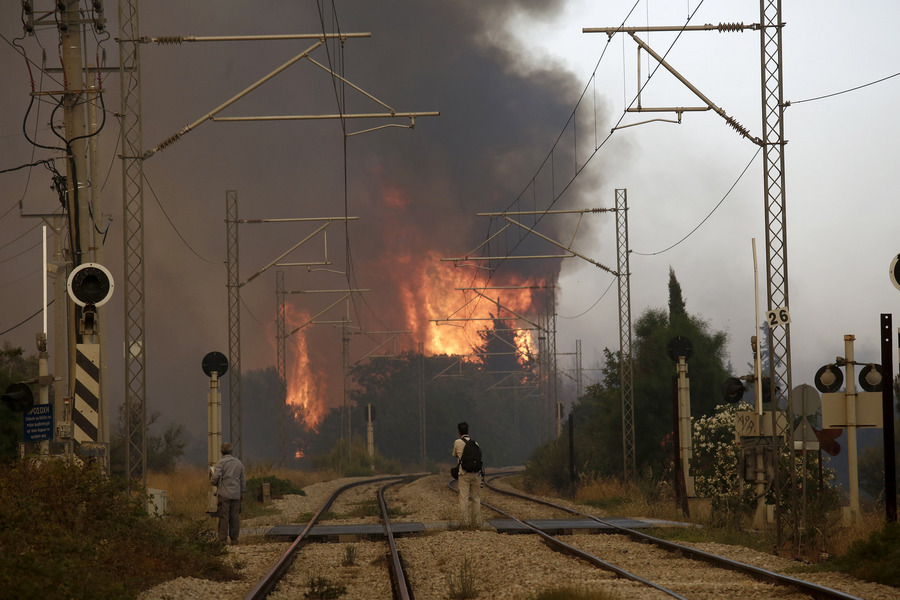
{"points": [[86, 416]]}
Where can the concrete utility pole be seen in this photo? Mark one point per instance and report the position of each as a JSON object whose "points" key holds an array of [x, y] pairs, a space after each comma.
{"points": [[83, 332]]}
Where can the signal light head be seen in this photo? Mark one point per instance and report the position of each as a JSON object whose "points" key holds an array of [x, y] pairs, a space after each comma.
{"points": [[871, 378], [90, 283], [828, 379], [18, 397], [733, 389]]}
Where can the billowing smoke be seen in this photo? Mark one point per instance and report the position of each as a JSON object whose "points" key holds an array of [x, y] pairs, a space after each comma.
{"points": [[417, 192]]}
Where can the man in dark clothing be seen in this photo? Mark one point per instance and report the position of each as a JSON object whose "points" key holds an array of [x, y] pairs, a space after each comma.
{"points": [[228, 476]]}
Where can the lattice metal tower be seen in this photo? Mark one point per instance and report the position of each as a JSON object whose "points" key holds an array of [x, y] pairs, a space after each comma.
{"points": [[133, 216], [626, 360], [234, 321], [552, 373], [776, 219], [579, 376], [281, 363]]}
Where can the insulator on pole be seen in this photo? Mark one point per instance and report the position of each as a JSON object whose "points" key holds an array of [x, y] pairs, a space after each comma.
{"points": [[724, 27]]}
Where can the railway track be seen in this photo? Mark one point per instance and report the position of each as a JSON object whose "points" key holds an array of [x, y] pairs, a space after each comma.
{"points": [[399, 583], [627, 564], [804, 588]]}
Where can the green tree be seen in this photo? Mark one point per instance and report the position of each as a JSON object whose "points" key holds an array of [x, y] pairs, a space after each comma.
{"points": [[163, 451], [677, 309], [598, 415], [503, 418], [499, 353]]}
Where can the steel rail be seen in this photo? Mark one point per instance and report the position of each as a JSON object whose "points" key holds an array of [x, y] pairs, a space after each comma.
{"points": [[814, 590], [398, 577], [267, 584], [557, 544]]}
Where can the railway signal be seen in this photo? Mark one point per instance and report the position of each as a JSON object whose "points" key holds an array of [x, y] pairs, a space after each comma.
{"points": [[850, 409], [680, 349], [894, 272], [214, 365], [18, 397]]}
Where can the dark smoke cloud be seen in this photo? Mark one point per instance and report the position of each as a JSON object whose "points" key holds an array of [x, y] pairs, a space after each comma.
{"points": [[416, 192]]}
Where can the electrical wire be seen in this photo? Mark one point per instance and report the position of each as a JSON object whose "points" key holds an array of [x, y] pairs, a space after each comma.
{"points": [[591, 307], [14, 240], [172, 223], [21, 51], [853, 89], [715, 208], [14, 327], [532, 182], [18, 279]]}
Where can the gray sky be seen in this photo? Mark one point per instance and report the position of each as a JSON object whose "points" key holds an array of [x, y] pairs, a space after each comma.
{"points": [[505, 79]]}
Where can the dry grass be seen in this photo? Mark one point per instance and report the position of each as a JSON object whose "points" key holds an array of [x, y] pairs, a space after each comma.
{"points": [[843, 536], [626, 498], [187, 487]]}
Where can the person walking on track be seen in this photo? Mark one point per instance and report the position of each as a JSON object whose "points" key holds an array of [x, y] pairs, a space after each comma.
{"points": [[471, 476]]}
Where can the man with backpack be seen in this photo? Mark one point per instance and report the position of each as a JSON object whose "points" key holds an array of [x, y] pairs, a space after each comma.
{"points": [[471, 474]]}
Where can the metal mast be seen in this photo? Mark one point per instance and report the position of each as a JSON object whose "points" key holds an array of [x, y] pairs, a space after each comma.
{"points": [[552, 374], [234, 321], [281, 365], [776, 224], [133, 216], [579, 380], [626, 361]]}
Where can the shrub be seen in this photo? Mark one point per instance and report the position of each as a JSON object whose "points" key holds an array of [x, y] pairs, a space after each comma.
{"points": [[353, 461], [277, 487], [717, 472], [874, 559], [462, 583], [84, 531]]}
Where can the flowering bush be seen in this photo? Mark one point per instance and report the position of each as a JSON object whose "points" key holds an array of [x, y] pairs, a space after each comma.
{"points": [[716, 462], [716, 467]]}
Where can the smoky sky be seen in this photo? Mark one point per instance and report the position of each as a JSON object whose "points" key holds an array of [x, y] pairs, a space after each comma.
{"points": [[416, 192]]}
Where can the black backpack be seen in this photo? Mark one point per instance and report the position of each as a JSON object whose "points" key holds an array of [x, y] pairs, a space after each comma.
{"points": [[471, 457]]}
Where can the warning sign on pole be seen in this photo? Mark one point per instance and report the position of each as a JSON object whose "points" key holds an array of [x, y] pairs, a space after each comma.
{"points": [[86, 417]]}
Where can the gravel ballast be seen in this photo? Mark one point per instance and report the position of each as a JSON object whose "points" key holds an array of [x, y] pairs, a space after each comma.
{"points": [[506, 566]]}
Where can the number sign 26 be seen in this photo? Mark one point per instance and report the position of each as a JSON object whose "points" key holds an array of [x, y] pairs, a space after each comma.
{"points": [[778, 316]]}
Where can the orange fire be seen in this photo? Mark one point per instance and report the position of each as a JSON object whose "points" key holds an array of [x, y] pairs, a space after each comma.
{"points": [[448, 320], [304, 387]]}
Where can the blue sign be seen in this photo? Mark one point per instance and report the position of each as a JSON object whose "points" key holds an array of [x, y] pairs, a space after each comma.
{"points": [[39, 423]]}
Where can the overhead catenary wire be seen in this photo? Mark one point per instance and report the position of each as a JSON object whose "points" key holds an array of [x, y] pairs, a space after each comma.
{"points": [[596, 302], [16, 326], [172, 224], [579, 168], [853, 89], [706, 218]]}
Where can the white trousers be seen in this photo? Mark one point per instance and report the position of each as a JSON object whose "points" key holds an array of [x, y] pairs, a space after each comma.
{"points": [[470, 499]]}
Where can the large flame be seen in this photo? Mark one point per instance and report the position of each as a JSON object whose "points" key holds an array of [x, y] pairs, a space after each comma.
{"points": [[305, 389], [448, 320]]}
